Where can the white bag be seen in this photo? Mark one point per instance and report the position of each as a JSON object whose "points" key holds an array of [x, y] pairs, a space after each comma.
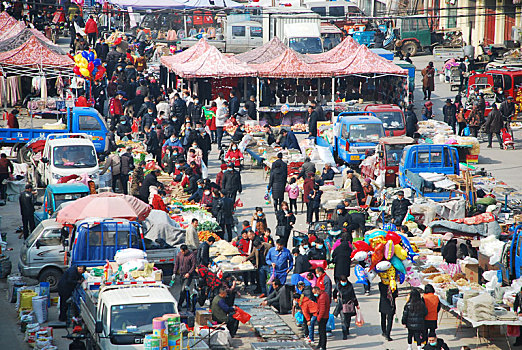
{"points": [[124, 255], [204, 170]]}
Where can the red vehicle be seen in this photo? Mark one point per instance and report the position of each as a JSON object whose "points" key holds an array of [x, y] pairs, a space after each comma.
{"points": [[509, 79], [391, 116], [388, 157]]}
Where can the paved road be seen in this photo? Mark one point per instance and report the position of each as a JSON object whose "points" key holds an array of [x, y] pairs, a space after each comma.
{"points": [[504, 164]]}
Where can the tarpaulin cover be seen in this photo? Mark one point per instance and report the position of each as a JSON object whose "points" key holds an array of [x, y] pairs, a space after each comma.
{"points": [[211, 3], [483, 229], [34, 52], [337, 54], [363, 61], [11, 43], [289, 65], [213, 64], [159, 225], [267, 52]]}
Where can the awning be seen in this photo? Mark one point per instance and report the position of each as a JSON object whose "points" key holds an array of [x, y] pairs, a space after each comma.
{"points": [[267, 52], [290, 65]]}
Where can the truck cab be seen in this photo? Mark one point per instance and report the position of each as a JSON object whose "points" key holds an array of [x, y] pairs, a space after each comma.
{"points": [[508, 80], [57, 194], [427, 158], [391, 116], [304, 38], [354, 134], [118, 316], [243, 36], [67, 154]]}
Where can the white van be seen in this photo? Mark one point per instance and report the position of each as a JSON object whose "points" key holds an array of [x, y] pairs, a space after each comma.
{"points": [[67, 154]]}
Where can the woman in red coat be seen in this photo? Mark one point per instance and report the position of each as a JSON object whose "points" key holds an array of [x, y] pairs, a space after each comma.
{"points": [[234, 155]]}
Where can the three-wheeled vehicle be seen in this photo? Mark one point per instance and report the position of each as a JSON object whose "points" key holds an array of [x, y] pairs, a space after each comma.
{"points": [[388, 157]]}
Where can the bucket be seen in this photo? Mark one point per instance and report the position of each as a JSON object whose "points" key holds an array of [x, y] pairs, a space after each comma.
{"points": [[151, 342]]}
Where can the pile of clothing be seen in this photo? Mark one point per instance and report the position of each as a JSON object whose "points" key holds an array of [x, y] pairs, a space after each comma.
{"points": [[481, 308]]}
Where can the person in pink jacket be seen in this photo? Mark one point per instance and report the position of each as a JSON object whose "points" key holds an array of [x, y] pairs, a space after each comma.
{"points": [[293, 194]]}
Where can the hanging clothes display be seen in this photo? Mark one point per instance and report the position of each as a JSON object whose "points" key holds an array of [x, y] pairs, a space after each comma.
{"points": [[43, 87], [3, 92], [13, 88], [59, 85]]}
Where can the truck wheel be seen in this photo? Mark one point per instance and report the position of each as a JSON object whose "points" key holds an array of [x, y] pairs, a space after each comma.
{"points": [[51, 275], [409, 47], [23, 154]]}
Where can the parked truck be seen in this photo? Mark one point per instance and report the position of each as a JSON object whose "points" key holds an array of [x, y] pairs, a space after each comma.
{"points": [[390, 115], [57, 194], [119, 315], [84, 120], [50, 249], [428, 158], [63, 155], [354, 134], [301, 31]]}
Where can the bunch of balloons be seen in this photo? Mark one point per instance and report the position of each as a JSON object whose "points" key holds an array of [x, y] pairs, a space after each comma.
{"points": [[387, 254], [88, 65]]}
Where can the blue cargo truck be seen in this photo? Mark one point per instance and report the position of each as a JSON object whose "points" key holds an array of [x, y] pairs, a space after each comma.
{"points": [[355, 133], [83, 120]]}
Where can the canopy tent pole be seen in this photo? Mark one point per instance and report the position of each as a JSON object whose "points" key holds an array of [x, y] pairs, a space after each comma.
{"points": [[319, 90], [245, 82], [333, 97], [168, 79], [258, 100], [185, 24]]}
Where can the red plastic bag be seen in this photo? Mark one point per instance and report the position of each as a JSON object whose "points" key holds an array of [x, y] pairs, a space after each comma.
{"points": [[513, 331], [359, 320], [241, 315], [239, 203]]}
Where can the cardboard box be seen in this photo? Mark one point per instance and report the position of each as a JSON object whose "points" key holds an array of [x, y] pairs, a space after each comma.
{"points": [[472, 272], [158, 275], [203, 316]]}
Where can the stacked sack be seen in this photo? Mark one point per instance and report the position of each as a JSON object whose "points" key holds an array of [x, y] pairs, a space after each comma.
{"points": [[481, 308]]}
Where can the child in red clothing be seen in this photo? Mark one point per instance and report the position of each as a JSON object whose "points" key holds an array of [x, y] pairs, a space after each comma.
{"points": [[211, 122]]}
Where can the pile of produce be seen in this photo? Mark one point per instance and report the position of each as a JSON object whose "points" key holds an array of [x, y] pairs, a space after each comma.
{"points": [[204, 235], [299, 127], [209, 226]]}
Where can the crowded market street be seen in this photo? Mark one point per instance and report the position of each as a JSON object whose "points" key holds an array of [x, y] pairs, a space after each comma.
{"points": [[248, 208]]}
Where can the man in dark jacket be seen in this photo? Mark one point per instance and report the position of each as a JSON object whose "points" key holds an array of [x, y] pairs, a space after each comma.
{"points": [[251, 108], [223, 210], [507, 108], [150, 180], [205, 143], [72, 277], [317, 252], [204, 251], [233, 104], [153, 146], [124, 129], [274, 297], [312, 122], [399, 208], [341, 257], [231, 183], [319, 110], [290, 141], [301, 262], [127, 165], [179, 109], [493, 125], [222, 312], [147, 119], [27, 200], [194, 110], [277, 182], [356, 186], [450, 113], [411, 121]]}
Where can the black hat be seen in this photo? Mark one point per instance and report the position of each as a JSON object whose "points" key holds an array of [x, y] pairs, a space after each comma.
{"points": [[280, 155], [448, 100], [400, 193]]}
